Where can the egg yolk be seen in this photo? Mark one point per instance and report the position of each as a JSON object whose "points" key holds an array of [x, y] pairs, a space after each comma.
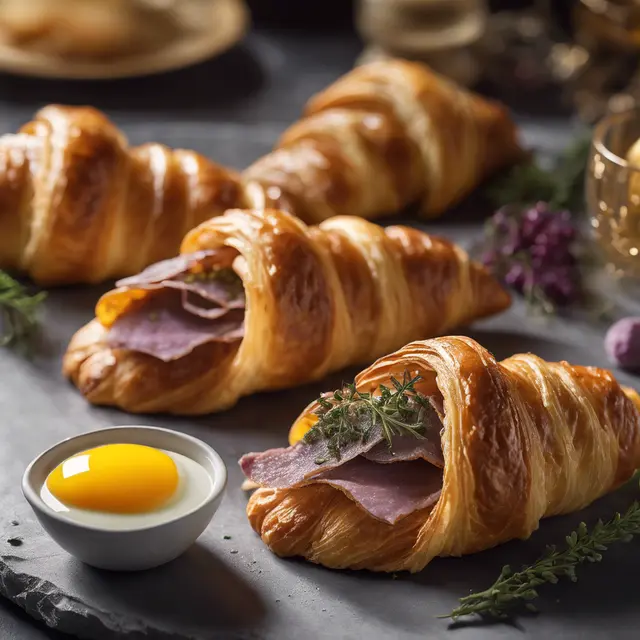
{"points": [[117, 478], [300, 428]]}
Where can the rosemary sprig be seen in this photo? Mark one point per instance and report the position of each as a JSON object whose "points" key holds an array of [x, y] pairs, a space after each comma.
{"points": [[513, 590], [348, 416], [18, 312], [561, 185]]}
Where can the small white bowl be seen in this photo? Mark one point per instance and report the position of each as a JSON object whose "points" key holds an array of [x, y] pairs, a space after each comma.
{"points": [[126, 549]]}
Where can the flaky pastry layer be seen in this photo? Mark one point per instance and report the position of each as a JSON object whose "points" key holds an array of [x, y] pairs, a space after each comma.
{"points": [[318, 299], [523, 439]]}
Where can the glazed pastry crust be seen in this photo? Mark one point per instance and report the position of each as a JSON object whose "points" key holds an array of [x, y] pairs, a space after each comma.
{"points": [[318, 299], [77, 204], [523, 439], [384, 136]]}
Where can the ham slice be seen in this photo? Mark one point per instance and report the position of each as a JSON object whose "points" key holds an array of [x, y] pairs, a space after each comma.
{"points": [[389, 483], [166, 269], [291, 466], [199, 306], [163, 328], [220, 290], [404, 448], [193, 299], [388, 492]]}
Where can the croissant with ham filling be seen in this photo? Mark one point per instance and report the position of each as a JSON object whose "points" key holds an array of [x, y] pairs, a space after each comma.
{"points": [[439, 450], [257, 300]]}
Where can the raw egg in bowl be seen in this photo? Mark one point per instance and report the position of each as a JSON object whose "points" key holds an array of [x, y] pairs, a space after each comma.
{"points": [[126, 498]]}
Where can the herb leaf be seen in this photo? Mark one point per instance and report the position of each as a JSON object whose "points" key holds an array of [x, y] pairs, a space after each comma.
{"points": [[561, 185], [516, 590], [349, 415], [18, 312]]}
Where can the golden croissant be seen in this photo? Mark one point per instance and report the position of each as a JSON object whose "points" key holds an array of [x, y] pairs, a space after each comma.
{"points": [[258, 301], [77, 205], [386, 135], [504, 444]]}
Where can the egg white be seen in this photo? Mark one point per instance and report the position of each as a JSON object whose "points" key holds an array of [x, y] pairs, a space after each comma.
{"points": [[194, 487]]}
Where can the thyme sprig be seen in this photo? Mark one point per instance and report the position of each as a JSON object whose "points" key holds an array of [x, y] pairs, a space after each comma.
{"points": [[513, 590], [348, 415], [18, 312]]}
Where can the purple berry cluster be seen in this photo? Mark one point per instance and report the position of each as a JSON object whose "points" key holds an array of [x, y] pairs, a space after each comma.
{"points": [[534, 252]]}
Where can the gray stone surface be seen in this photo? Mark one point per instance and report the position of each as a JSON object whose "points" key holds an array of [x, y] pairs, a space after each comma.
{"points": [[212, 592], [235, 588]]}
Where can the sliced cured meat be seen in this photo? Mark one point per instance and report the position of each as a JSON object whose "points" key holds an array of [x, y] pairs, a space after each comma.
{"points": [[291, 466], [161, 327], [166, 269], [405, 448], [197, 305], [388, 492]]}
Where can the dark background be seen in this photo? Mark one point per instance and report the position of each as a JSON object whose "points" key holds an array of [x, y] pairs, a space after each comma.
{"points": [[339, 13]]}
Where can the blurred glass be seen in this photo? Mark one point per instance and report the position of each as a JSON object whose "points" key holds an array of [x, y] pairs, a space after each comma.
{"points": [[613, 196], [441, 33], [608, 25]]}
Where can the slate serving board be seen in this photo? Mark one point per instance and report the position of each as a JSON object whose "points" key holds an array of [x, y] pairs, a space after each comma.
{"points": [[234, 588]]}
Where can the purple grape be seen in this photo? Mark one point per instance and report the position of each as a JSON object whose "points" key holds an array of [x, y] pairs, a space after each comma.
{"points": [[558, 285], [489, 258], [533, 223], [502, 218], [545, 239], [622, 343], [516, 277]]}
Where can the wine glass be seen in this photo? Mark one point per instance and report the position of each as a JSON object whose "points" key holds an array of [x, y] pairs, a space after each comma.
{"points": [[613, 201]]}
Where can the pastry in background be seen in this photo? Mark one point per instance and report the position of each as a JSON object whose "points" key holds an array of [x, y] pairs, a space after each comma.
{"points": [[83, 28], [472, 454], [259, 301], [384, 136], [77, 204]]}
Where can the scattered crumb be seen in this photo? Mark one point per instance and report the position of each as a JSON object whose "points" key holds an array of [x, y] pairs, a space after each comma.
{"points": [[234, 551], [254, 561], [15, 542], [394, 576], [290, 596], [226, 537], [14, 523], [324, 609], [277, 600]]}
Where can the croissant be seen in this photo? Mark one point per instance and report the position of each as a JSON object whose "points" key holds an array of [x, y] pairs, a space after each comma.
{"points": [[518, 440], [316, 299], [78, 205], [386, 135]]}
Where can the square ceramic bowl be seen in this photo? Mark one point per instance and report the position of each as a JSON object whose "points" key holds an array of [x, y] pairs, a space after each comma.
{"points": [[135, 548]]}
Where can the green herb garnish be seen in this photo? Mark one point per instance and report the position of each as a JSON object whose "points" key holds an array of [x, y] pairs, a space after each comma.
{"points": [[516, 590], [349, 416], [18, 312], [561, 185]]}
